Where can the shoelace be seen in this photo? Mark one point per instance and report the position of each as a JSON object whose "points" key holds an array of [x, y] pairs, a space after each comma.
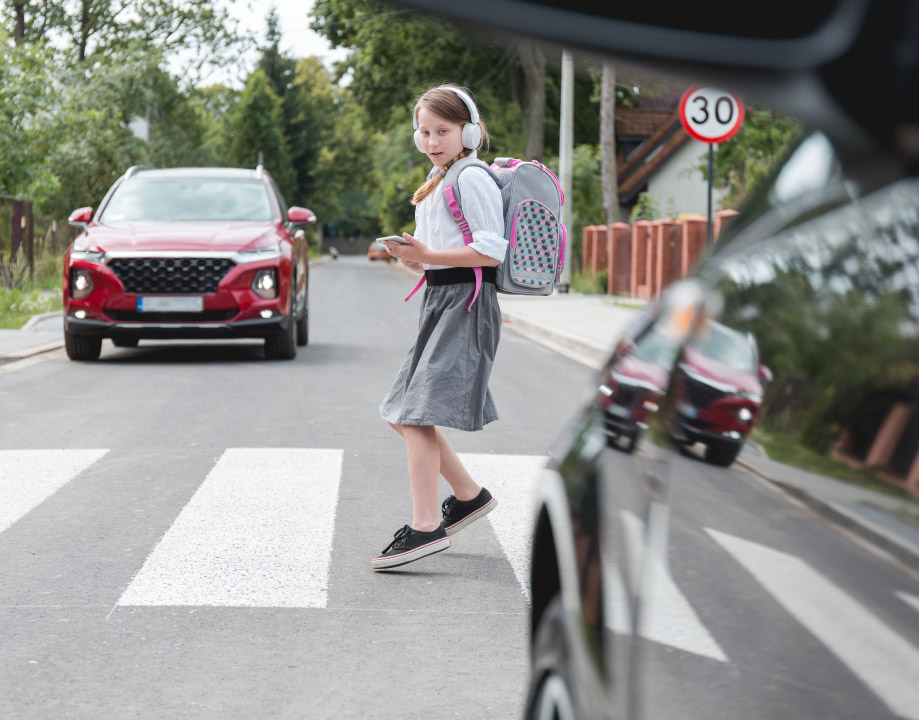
{"points": [[400, 533], [447, 507]]}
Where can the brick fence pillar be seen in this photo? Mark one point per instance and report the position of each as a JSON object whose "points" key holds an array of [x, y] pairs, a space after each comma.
{"points": [[619, 259], [695, 229], [669, 251], [601, 249], [653, 250], [641, 237], [587, 247], [720, 221]]}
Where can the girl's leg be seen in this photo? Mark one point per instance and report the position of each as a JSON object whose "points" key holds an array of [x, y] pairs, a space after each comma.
{"points": [[464, 487], [423, 471], [453, 470]]}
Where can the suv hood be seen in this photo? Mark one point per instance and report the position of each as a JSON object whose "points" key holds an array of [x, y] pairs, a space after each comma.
{"points": [[165, 236], [720, 374]]}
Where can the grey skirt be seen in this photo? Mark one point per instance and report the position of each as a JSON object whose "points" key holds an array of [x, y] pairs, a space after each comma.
{"points": [[444, 377]]}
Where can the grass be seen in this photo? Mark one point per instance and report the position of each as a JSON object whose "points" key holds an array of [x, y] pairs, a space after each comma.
{"points": [[17, 306], [588, 284], [788, 449]]}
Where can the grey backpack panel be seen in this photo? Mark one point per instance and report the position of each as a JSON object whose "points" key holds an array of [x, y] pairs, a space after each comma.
{"points": [[532, 223]]}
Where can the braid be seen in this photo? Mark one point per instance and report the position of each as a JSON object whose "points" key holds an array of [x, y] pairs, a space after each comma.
{"points": [[429, 185]]}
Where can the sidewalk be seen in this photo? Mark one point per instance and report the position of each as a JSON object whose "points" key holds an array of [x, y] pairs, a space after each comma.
{"points": [[585, 328]]}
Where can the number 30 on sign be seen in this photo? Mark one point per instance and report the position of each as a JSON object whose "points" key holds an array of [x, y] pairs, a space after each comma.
{"points": [[711, 115]]}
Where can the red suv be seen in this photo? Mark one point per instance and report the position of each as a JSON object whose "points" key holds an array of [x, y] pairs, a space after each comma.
{"points": [[188, 253], [719, 391]]}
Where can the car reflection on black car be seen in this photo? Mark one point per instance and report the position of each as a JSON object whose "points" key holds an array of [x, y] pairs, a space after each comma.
{"points": [[719, 386]]}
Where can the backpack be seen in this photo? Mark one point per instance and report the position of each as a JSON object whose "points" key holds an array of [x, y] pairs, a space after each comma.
{"points": [[535, 234]]}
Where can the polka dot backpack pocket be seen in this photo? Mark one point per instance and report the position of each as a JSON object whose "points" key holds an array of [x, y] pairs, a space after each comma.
{"points": [[533, 200]]}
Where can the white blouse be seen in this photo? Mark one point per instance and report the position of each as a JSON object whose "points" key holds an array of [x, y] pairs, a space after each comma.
{"points": [[483, 209]]}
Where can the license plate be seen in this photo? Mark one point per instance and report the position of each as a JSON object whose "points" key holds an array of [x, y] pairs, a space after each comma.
{"points": [[620, 411], [687, 410], [170, 304]]}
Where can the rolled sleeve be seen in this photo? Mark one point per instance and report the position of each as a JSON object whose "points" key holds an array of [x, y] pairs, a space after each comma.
{"points": [[483, 209]]}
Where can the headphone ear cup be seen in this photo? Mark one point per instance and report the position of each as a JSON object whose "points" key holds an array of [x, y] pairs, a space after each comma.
{"points": [[472, 136], [417, 137]]}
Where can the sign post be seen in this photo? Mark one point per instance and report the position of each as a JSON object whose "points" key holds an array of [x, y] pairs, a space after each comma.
{"points": [[711, 116]]}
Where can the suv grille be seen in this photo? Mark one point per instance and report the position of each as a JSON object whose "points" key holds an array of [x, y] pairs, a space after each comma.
{"points": [[170, 275], [700, 394], [626, 395]]}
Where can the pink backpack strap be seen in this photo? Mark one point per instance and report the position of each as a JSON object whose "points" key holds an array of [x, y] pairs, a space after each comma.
{"points": [[457, 213], [417, 288]]}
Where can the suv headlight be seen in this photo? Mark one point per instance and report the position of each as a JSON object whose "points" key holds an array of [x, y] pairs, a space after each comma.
{"points": [[265, 283], [260, 253], [81, 283], [93, 256]]}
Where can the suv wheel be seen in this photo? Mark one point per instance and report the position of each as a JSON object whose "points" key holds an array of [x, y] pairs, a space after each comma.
{"points": [[82, 348], [283, 346], [723, 454], [550, 679], [303, 327]]}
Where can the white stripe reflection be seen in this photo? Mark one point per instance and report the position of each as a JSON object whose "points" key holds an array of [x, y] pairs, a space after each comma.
{"points": [[257, 533], [883, 660]]}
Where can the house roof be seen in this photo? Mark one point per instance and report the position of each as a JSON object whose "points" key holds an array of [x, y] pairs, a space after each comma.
{"points": [[640, 123], [632, 173]]}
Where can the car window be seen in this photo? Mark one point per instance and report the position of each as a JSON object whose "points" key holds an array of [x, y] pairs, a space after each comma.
{"points": [[728, 348], [188, 199]]}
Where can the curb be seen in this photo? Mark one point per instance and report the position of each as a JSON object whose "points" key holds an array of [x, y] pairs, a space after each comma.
{"points": [[863, 528], [587, 353]]}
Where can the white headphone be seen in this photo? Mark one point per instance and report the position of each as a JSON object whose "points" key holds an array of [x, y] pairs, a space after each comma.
{"points": [[472, 131]]}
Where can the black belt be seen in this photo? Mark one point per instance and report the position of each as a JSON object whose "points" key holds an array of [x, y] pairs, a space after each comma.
{"points": [[457, 275]]}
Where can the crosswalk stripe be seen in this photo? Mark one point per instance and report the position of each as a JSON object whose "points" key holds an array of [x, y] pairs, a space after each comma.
{"points": [[28, 477], [666, 615], [883, 660], [512, 480], [257, 533], [908, 599]]}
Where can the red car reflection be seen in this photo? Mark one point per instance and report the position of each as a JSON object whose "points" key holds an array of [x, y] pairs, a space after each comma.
{"points": [[719, 386]]}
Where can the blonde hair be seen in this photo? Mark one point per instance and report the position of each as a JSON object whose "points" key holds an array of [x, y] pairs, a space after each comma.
{"points": [[442, 101]]}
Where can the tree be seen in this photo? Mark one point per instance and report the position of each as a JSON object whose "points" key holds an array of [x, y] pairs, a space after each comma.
{"points": [[255, 128], [608, 144], [741, 163]]}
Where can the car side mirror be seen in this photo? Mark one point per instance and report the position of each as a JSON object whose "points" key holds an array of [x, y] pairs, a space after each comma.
{"points": [[764, 374], [81, 217], [301, 216]]}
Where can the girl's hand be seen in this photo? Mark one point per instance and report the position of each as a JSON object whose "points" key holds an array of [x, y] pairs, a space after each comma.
{"points": [[415, 252], [417, 267]]}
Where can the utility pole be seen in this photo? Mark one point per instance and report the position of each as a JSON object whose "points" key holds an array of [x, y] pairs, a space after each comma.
{"points": [[565, 151]]}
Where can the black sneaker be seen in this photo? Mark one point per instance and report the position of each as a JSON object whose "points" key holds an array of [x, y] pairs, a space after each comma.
{"points": [[460, 513], [410, 545]]}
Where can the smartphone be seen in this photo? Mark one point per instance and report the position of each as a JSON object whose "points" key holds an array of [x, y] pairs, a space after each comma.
{"points": [[395, 240]]}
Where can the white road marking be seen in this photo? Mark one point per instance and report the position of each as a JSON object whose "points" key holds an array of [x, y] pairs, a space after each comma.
{"points": [[908, 599], [512, 480], [884, 661], [257, 533], [666, 616], [28, 477]]}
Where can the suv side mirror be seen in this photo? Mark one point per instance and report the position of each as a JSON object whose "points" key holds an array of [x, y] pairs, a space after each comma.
{"points": [[764, 374], [301, 216], [81, 217]]}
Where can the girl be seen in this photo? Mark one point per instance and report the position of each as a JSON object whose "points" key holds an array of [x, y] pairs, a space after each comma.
{"points": [[444, 378]]}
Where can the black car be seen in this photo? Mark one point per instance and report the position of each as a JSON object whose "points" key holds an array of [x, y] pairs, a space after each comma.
{"points": [[663, 587]]}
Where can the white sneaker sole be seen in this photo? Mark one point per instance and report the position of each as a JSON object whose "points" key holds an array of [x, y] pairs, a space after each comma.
{"points": [[408, 556], [469, 519]]}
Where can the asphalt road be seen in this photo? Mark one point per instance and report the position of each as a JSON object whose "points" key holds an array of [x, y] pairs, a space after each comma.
{"points": [[186, 532], [161, 555]]}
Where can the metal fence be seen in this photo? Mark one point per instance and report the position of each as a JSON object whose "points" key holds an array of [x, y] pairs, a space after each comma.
{"points": [[27, 239]]}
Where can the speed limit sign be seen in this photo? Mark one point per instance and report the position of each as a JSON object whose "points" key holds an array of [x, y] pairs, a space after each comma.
{"points": [[710, 115]]}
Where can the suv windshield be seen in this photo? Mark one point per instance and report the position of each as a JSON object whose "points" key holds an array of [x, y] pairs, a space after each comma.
{"points": [[727, 347], [189, 199]]}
